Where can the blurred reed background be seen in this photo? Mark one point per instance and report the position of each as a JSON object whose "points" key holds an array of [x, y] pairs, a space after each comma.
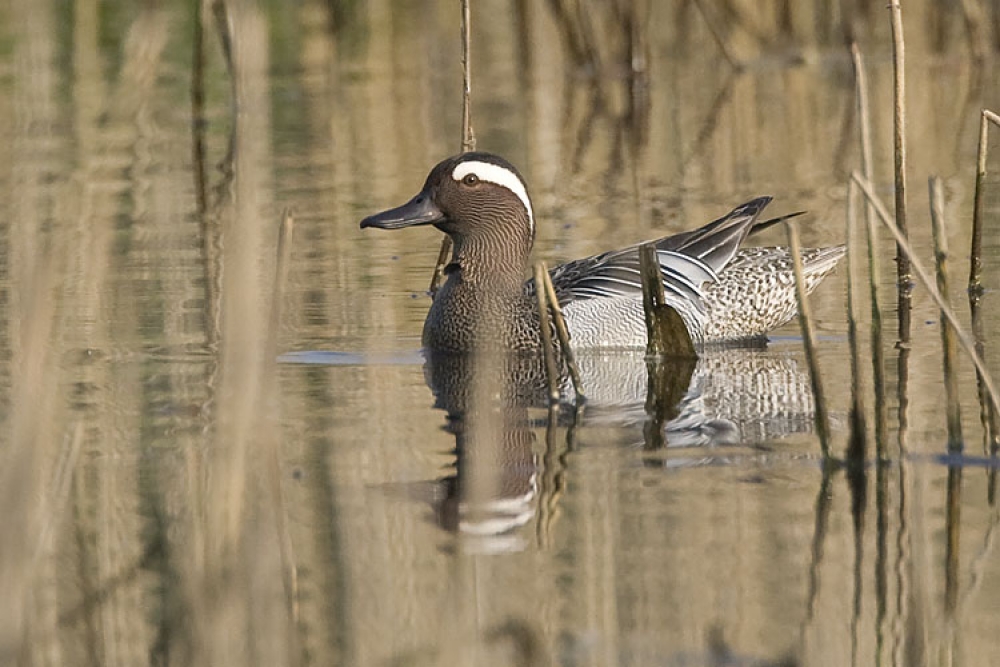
{"points": [[173, 496]]}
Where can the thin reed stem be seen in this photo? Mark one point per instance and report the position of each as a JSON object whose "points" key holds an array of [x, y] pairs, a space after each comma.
{"points": [[987, 416], [899, 160], [857, 443], [545, 326], [950, 363], [563, 332], [809, 340], [976, 251], [963, 338], [875, 332], [468, 136]]}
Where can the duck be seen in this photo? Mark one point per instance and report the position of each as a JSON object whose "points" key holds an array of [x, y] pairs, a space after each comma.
{"points": [[724, 293]]}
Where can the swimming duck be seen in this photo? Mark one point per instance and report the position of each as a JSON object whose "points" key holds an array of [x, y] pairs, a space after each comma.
{"points": [[724, 293]]}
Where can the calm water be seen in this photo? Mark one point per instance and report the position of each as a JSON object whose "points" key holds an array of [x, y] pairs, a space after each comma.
{"points": [[174, 495]]}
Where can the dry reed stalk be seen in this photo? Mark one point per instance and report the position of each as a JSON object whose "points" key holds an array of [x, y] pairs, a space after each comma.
{"points": [[987, 416], [976, 250], [899, 162], [809, 340], [468, 136], [563, 333], [856, 445], [949, 352], [548, 348], [963, 338], [875, 331], [667, 335]]}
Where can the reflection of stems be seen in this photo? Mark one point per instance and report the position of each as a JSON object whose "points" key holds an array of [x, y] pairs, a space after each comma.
{"points": [[822, 511], [952, 524], [809, 341]]}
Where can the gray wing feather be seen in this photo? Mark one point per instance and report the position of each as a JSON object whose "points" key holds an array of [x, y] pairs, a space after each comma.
{"points": [[687, 261]]}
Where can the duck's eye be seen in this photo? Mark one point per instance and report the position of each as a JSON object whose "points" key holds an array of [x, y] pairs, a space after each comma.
{"points": [[470, 179]]}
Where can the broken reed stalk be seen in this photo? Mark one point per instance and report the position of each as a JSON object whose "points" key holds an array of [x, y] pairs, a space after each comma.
{"points": [[875, 332], [468, 137], [976, 251], [544, 325], [667, 335], [963, 338], [809, 340], [563, 332], [949, 352], [856, 444], [903, 276]]}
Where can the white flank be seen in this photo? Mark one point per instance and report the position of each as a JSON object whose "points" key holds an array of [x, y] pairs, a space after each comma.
{"points": [[487, 171]]}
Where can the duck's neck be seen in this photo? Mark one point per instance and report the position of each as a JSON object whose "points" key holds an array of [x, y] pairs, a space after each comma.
{"points": [[497, 263]]}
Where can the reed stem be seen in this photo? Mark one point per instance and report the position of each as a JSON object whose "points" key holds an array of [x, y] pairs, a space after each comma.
{"points": [[949, 352], [857, 443], [809, 340], [903, 274], [875, 331], [963, 338], [468, 136], [976, 251], [563, 332], [545, 326]]}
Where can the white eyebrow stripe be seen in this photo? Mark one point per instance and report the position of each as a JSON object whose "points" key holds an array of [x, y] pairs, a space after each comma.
{"points": [[487, 171]]}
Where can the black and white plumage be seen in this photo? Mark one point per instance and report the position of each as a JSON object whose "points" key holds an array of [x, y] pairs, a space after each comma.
{"points": [[722, 292]]}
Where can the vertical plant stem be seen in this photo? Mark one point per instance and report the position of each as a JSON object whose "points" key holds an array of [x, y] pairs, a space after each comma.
{"points": [[877, 349], [543, 319], [856, 445], [809, 340], [563, 332], [964, 340], [987, 416], [976, 251], [949, 352], [899, 161], [468, 136]]}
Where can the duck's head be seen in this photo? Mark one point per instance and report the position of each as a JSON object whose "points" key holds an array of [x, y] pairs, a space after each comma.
{"points": [[475, 198]]}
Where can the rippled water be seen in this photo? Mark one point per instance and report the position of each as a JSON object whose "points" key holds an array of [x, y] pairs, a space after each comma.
{"points": [[195, 475]]}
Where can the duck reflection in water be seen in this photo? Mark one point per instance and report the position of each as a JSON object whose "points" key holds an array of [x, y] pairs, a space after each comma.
{"points": [[739, 397]]}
